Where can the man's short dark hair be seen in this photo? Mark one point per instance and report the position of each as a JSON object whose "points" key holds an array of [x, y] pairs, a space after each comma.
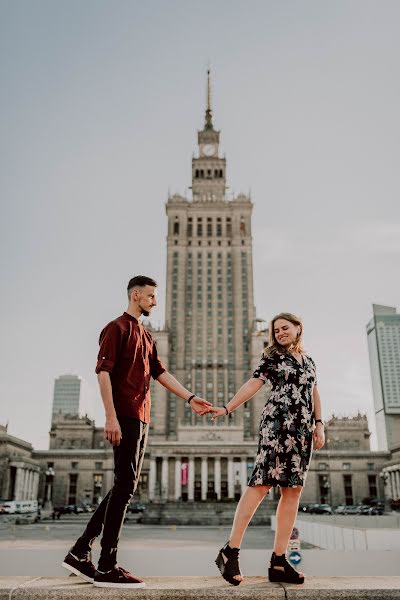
{"points": [[140, 281]]}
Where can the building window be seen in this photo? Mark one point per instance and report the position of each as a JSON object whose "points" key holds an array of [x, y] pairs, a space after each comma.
{"points": [[370, 466], [190, 227], [322, 466], [323, 484], [73, 484], [74, 465], [199, 227], [372, 487], [346, 466], [209, 227], [348, 489], [97, 488], [176, 226], [98, 466]]}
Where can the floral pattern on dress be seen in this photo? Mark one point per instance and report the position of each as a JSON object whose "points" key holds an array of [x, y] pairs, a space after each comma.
{"points": [[287, 421]]}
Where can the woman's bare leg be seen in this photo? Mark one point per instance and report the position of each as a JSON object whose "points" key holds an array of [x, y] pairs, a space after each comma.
{"points": [[286, 514], [248, 504]]}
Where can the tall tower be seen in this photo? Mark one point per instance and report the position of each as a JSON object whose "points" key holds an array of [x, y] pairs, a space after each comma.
{"points": [[384, 353], [210, 313], [67, 392]]}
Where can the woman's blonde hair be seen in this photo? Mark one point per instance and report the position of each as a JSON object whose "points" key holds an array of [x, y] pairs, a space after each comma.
{"points": [[274, 346]]}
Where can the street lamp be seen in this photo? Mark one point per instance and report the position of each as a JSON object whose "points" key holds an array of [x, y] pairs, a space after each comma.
{"points": [[50, 472], [387, 490]]}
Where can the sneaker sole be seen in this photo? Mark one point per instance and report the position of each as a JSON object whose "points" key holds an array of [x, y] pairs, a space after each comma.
{"points": [[76, 572], [121, 586]]}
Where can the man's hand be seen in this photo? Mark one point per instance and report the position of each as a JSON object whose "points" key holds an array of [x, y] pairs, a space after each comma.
{"points": [[319, 436], [201, 407], [112, 431]]}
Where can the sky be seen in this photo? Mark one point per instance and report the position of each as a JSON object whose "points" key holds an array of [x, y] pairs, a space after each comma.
{"points": [[99, 110]]}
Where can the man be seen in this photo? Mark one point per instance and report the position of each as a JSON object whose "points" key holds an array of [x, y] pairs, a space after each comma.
{"points": [[126, 361]]}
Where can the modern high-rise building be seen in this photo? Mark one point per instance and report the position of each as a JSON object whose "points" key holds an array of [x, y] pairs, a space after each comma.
{"points": [[384, 353], [211, 340], [67, 393]]}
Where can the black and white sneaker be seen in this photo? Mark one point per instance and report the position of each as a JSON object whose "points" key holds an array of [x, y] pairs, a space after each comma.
{"points": [[117, 578], [83, 567]]}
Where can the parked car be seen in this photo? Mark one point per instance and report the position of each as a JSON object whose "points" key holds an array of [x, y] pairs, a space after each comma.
{"points": [[136, 507], [9, 507], [347, 510], [305, 507], [320, 509]]}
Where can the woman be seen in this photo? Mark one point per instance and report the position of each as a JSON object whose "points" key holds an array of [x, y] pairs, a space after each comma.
{"points": [[290, 422]]}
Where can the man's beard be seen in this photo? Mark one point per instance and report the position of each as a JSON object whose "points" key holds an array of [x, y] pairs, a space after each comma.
{"points": [[145, 312]]}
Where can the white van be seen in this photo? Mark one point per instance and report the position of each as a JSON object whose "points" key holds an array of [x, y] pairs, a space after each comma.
{"points": [[26, 506], [19, 506], [9, 507]]}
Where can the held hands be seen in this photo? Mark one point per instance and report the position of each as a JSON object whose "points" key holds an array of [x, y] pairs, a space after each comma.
{"points": [[112, 431], [319, 436], [218, 412], [201, 407]]}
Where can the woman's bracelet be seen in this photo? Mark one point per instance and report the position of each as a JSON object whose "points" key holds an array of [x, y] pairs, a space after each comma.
{"points": [[191, 398], [226, 410]]}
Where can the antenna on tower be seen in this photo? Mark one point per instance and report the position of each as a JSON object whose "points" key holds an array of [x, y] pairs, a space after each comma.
{"points": [[209, 124]]}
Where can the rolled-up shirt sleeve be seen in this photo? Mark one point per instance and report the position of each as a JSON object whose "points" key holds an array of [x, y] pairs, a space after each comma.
{"points": [[263, 368], [156, 366], [110, 347]]}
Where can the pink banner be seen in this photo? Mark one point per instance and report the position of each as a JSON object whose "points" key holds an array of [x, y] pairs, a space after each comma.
{"points": [[184, 473]]}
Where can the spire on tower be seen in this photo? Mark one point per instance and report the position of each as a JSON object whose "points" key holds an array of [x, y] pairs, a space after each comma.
{"points": [[208, 124]]}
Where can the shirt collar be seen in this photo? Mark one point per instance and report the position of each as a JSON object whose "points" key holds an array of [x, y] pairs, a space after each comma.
{"points": [[131, 318]]}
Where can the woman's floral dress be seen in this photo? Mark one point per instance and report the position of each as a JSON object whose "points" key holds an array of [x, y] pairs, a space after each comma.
{"points": [[287, 421]]}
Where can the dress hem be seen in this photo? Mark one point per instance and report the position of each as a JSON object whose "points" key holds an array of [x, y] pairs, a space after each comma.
{"points": [[275, 484]]}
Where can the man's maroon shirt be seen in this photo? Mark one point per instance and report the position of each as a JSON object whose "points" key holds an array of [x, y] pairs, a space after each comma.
{"points": [[129, 354]]}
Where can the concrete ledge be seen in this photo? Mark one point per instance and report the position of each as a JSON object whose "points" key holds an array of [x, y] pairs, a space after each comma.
{"points": [[204, 588]]}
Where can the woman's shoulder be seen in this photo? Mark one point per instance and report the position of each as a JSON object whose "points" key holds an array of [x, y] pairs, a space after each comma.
{"points": [[310, 358], [272, 355]]}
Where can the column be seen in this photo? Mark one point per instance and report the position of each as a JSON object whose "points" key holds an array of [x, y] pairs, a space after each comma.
{"points": [[217, 476], [204, 477], [243, 474], [178, 477], [29, 490], [231, 485], [393, 484], [152, 478], [164, 478], [24, 484], [28, 484], [18, 484], [35, 486], [397, 475], [191, 478]]}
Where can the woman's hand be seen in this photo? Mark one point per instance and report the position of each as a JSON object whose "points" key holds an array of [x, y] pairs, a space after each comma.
{"points": [[219, 411], [319, 436], [201, 406]]}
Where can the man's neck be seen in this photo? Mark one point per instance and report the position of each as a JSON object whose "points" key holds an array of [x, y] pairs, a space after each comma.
{"points": [[134, 311]]}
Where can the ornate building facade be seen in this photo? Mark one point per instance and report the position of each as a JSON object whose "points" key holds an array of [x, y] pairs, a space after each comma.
{"points": [[211, 340]]}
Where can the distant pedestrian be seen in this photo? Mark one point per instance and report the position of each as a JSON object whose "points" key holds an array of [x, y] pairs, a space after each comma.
{"points": [[290, 422], [126, 361]]}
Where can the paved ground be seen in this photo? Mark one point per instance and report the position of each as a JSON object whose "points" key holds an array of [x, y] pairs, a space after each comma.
{"points": [[201, 588], [55, 533], [38, 549]]}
